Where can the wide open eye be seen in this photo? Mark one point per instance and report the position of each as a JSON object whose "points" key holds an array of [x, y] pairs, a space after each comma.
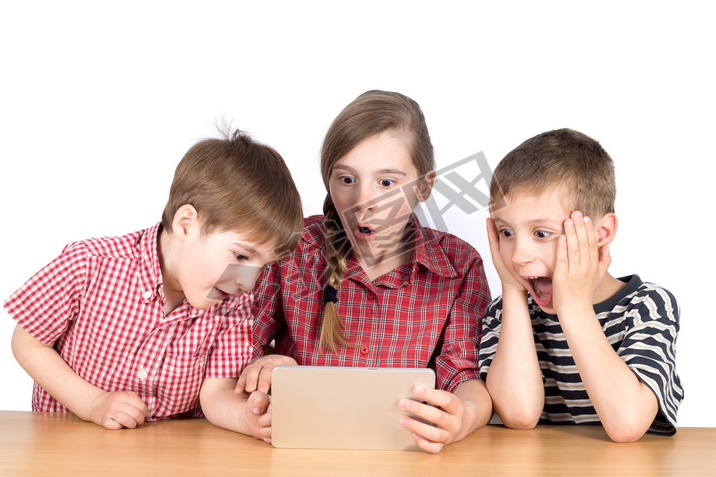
{"points": [[386, 183], [506, 233]]}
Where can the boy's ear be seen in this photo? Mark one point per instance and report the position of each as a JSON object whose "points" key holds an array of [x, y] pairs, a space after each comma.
{"points": [[425, 186], [186, 221], [606, 229]]}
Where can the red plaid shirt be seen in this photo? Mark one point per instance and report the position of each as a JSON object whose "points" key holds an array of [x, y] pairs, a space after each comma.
{"points": [[100, 302], [426, 313]]}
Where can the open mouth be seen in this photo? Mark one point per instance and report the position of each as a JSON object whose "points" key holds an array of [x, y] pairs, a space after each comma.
{"points": [[363, 232], [219, 294], [540, 289]]}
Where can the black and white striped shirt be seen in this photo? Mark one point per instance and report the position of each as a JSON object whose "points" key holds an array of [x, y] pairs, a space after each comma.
{"points": [[641, 323]]}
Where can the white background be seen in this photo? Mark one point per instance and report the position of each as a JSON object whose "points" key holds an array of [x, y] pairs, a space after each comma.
{"points": [[100, 100]]}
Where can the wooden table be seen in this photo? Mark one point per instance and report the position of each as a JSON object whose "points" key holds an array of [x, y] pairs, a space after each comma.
{"points": [[38, 444]]}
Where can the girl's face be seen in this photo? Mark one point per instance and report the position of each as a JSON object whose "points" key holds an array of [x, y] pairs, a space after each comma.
{"points": [[374, 189]]}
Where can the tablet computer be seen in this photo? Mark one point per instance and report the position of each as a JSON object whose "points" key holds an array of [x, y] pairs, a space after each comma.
{"points": [[326, 407]]}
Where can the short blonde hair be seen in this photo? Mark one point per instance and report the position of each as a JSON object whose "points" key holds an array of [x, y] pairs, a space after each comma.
{"points": [[559, 158], [237, 184]]}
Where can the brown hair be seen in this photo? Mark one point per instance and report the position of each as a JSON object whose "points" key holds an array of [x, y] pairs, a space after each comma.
{"points": [[562, 157], [235, 183], [373, 112]]}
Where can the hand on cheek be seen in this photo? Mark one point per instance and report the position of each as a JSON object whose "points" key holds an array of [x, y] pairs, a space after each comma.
{"points": [[578, 269], [507, 278]]}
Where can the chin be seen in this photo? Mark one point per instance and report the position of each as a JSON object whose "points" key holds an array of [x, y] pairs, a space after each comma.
{"points": [[205, 303], [548, 308]]}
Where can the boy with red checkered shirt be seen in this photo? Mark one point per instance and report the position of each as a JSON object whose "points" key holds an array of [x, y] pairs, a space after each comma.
{"points": [[157, 323]]}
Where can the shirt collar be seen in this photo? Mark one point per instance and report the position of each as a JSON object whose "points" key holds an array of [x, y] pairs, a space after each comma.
{"points": [[150, 272], [429, 251]]}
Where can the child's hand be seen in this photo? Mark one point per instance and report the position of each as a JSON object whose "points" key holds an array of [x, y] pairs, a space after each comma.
{"points": [[258, 415], [580, 266], [508, 279], [257, 375], [115, 410], [444, 413]]}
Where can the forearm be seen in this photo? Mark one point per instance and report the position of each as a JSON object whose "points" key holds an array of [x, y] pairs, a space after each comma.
{"points": [[222, 406], [624, 404], [514, 379], [477, 404], [50, 371]]}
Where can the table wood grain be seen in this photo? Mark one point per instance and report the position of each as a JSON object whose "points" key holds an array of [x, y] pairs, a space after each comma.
{"points": [[49, 444]]}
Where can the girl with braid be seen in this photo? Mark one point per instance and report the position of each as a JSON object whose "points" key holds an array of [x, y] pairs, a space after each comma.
{"points": [[369, 286]]}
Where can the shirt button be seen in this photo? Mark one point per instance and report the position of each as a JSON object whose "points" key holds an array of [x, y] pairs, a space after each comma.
{"points": [[142, 374], [363, 350], [147, 294]]}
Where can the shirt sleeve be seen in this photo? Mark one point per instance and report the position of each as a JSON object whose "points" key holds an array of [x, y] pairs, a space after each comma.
{"points": [[648, 349], [51, 298], [491, 323], [457, 361], [267, 308]]}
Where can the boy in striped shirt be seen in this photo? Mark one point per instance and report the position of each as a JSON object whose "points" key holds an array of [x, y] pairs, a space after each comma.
{"points": [[157, 323], [568, 343]]}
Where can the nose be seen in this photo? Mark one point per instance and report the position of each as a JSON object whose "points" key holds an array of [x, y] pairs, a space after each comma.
{"points": [[366, 197], [240, 277], [365, 200], [523, 252], [248, 277]]}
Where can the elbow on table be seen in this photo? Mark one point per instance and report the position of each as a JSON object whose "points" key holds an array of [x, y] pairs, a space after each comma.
{"points": [[623, 433], [517, 408], [519, 419], [630, 424]]}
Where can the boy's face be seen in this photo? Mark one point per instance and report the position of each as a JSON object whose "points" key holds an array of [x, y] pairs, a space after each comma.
{"points": [[217, 265], [529, 228]]}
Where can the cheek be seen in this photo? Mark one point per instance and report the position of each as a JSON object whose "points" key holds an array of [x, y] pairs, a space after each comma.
{"points": [[506, 251], [548, 253], [409, 196], [340, 199], [208, 267], [398, 207]]}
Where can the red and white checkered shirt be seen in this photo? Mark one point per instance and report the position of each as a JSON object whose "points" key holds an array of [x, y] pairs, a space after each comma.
{"points": [[426, 313], [100, 302]]}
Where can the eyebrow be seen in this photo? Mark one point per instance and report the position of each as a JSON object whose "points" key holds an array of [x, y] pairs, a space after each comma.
{"points": [[379, 171], [245, 248], [251, 252], [533, 223], [546, 222]]}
